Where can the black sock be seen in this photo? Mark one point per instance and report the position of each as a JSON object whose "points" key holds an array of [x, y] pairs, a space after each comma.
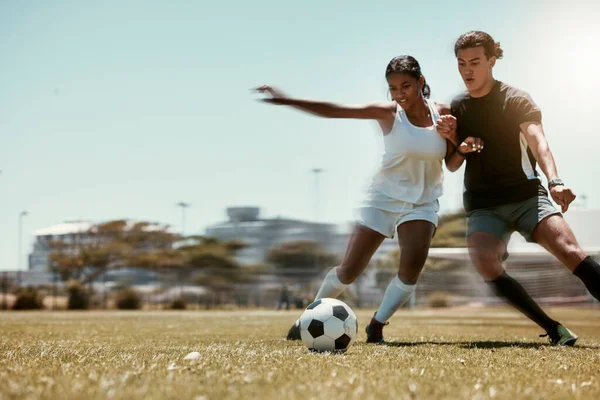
{"points": [[507, 287], [589, 272]]}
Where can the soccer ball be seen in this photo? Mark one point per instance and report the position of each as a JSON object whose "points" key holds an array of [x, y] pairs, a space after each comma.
{"points": [[328, 325]]}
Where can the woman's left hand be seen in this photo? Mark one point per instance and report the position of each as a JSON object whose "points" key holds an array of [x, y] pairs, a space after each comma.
{"points": [[446, 127]]}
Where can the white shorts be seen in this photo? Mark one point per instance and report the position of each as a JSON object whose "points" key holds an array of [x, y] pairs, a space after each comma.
{"points": [[386, 221]]}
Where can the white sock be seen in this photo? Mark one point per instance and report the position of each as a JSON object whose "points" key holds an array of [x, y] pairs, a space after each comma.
{"points": [[396, 294], [331, 286]]}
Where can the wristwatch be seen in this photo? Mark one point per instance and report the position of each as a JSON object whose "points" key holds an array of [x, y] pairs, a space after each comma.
{"points": [[555, 182]]}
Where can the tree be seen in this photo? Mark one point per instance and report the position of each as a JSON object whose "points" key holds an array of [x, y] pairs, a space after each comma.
{"points": [[119, 244], [6, 284], [451, 231], [108, 246]]}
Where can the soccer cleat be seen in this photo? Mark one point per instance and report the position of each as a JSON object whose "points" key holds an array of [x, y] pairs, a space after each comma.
{"points": [[375, 331], [561, 337], [294, 332]]}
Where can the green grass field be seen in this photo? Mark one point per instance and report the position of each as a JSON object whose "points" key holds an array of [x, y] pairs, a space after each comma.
{"points": [[452, 354]]}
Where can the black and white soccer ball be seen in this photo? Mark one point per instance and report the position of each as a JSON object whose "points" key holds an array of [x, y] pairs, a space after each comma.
{"points": [[328, 325]]}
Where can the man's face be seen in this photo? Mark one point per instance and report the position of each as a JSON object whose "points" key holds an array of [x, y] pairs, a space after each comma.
{"points": [[475, 68]]}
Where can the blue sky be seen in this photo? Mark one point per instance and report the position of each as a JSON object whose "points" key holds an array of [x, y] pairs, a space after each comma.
{"points": [[120, 109]]}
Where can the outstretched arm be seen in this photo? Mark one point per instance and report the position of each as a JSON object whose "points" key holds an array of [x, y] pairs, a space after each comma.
{"points": [[378, 111]]}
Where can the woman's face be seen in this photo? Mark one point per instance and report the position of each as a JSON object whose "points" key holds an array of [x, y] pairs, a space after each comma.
{"points": [[405, 89]]}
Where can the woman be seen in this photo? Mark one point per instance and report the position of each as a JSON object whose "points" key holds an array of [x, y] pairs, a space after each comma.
{"points": [[403, 195]]}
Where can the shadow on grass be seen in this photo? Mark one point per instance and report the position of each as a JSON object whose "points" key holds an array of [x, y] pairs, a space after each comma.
{"points": [[481, 344]]}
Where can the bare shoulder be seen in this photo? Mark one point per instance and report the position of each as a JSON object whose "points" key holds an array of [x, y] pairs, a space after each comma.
{"points": [[386, 105], [443, 108], [383, 110]]}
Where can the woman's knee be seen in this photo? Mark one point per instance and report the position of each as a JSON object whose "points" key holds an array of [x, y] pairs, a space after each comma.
{"points": [[411, 264], [409, 276], [347, 272]]}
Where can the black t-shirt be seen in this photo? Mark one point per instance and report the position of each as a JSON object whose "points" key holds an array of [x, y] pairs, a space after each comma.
{"points": [[504, 172]]}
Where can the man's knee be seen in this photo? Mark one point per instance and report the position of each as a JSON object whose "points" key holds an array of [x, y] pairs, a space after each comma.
{"points": [[488, 265], [557, 237], [487, 255], [572, 253]]}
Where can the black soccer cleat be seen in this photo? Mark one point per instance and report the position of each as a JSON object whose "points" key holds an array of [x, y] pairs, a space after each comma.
{"points": [[375, 331], [294, 332]]}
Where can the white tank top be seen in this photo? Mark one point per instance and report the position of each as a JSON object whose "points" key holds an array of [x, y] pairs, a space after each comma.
{"points": [[411, 165]]}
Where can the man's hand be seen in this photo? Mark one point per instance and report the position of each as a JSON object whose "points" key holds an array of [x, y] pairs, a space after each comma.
{"points": [[563, 196], [470, 145]]}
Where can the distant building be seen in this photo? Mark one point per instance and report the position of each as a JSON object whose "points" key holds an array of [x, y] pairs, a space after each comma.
{"points": [[68, 232], [262, 234]]}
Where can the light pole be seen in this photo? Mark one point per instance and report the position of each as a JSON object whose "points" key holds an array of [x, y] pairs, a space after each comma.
{"points": [[317, 171], [183, 206], [20, 258]]}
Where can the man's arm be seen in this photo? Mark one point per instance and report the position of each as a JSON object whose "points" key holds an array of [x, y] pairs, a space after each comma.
{"points": [[536, 140]]}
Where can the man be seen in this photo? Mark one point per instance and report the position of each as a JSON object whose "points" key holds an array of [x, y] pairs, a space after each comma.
{"points": [[501, 135]]}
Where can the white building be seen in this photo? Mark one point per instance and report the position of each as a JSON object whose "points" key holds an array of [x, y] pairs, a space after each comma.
{"points": [[68, 232], [262, 234]]}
